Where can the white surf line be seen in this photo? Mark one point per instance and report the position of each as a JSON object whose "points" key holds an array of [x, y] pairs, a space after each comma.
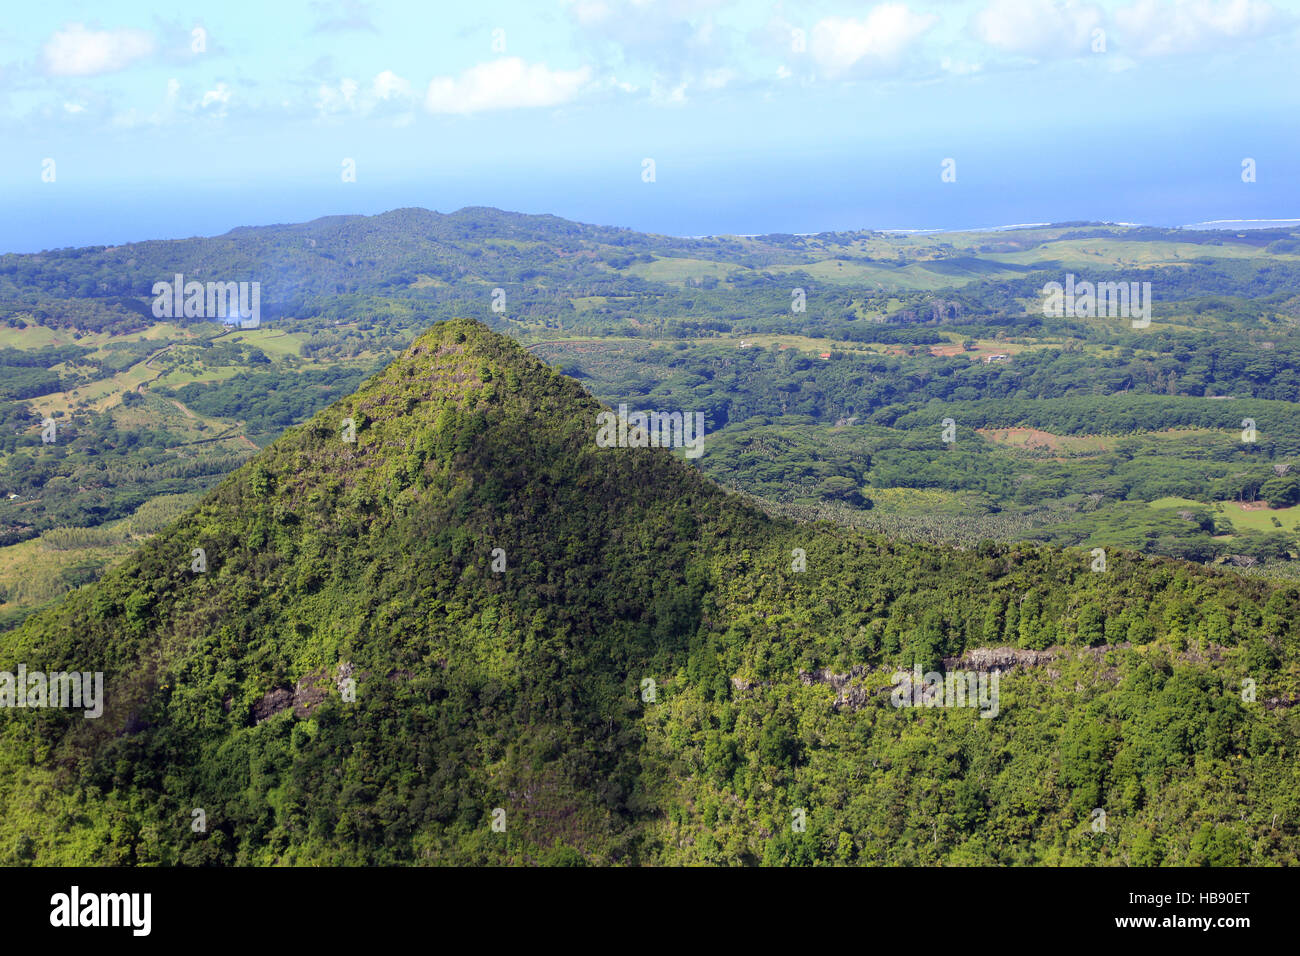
{"points": [[1018, 225], [1225, 222]]}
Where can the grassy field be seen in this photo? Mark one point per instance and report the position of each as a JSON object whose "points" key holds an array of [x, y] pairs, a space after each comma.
{"points": [[32, 337], [1261, 518], [39, 337], [876, 276], [1248, 516], [1174, 502], [272, 341], [1101, 253], [208, 374], [676, 270], [100, 395]]}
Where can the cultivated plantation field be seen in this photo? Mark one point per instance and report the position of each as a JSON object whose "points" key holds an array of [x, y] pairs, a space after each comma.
{"points": [[1035, 439]]}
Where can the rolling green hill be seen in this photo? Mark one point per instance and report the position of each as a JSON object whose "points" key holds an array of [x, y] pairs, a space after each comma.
{"points": [[473, 636]]}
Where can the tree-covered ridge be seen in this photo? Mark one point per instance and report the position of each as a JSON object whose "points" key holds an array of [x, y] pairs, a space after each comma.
{"points": [[525, 688]]}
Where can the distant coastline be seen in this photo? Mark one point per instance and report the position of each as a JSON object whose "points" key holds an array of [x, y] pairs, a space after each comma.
{"points": [[1210, 224]]}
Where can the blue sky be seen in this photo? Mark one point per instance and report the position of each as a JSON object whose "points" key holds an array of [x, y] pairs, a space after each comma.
{"points": [[166, 120]]}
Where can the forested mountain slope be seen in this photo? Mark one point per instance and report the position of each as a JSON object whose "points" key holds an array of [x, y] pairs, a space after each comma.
{"points": [[639, 674]]}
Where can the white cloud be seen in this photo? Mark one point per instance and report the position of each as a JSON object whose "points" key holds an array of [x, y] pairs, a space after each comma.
{"points": [[76, 51], [1040, 28], [388, 85], [387, 94], [219, 95], [877, 41], [502, 84], [1161, 27], [179, 103], [337, 99]]}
